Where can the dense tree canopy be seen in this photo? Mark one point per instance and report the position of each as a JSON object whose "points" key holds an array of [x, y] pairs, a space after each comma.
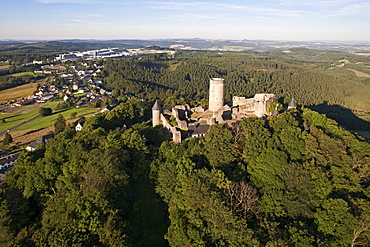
{"points": [[245, 74], [296, 179]]}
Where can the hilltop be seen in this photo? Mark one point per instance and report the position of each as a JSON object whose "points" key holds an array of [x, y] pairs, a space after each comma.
{"points": [[294, 178]]}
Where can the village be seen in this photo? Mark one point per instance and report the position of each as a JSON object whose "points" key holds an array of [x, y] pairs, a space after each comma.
{"points": [[75, 81], [77, 75]]}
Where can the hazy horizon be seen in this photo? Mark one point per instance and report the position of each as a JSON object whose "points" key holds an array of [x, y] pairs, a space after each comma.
{"points": [[279, 20], [190, 38]]}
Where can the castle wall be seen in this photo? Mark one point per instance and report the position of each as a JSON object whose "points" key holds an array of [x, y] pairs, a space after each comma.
{"points": [[176, 134], [256, 105], [165, 122], [242, 101], [218, 113]]}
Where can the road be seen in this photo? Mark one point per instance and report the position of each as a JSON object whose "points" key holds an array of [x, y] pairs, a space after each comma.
{"points": [[19, 125]]}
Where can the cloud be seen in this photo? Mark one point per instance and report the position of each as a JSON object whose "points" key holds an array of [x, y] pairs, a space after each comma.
{"points": [[191, 16], [85, 22], [62, 1], [175, 5], [352, 9], [316, 3], [330, 8], [228, 9], [90, 22], [262, 10]]}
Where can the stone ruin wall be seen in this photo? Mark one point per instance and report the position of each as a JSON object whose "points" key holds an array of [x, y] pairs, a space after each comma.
{"points": [[256, 105], [176, 134]]}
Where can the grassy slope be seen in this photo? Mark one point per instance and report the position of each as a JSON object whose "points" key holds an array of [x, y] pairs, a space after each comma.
{"points": [[50, 120], [19, 92], [23, 73], [4, 66], [15, 118]]}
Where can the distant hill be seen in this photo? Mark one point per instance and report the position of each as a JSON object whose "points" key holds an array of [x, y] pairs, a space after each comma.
{"points": [[203, 44]]}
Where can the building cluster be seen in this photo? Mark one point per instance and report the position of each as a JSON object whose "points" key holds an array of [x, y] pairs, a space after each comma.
{"points": [[79, 83], [109, 53], [197, 121], [42, 140], [7, 161], [93, 54]]}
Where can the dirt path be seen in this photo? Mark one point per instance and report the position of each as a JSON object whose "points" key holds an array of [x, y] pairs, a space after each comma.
{"points": [[360, 74], [32, 107]]}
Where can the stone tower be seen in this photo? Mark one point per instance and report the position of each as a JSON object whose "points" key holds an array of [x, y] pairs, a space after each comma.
{"points": [[216, 94], [156, 114], [292, 105]]}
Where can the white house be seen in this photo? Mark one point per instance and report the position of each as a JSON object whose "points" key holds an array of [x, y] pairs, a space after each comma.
{"points": [[78, 127], [66, 97]]}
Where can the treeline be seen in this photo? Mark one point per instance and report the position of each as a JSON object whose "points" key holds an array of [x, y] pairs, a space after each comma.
{"points": [[25, 57], [19, 69], [295, 179], [9, 81], [188, 77], [13, 81]]}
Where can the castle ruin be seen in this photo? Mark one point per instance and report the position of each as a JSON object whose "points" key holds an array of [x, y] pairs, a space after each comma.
{"points": [[243, 107], [197, 121]]}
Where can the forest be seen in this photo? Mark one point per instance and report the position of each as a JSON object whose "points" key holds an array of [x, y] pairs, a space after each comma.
{"points": [[310, 77], [294, 179]]}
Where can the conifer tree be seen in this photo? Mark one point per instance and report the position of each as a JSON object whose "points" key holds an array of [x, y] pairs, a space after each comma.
{"points": [[60, 124], [7, 138]]}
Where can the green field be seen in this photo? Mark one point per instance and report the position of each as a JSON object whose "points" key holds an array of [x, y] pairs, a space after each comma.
{"points": [[18, 117], [4, 66], [23, 73], [50, 120], [14, 119]]}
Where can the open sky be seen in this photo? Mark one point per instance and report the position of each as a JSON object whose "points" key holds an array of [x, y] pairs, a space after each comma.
{"points": [[301, 20]]}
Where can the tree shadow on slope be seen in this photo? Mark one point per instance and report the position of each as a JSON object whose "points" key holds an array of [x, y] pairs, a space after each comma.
{"points": [[343, 116], [147, 213]]}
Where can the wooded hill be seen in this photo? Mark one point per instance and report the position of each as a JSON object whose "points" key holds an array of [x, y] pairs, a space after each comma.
{"points": [[312, 78], [295, 179]]}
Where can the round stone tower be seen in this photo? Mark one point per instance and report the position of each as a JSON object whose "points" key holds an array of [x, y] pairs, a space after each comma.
{"points": [[216, 94], [156, 114]]}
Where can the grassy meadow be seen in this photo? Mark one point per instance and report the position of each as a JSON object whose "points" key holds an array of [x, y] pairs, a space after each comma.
{"points": [[4, 65], [26, 113], [43, 122], [23, 73], [15, 118], [19, 92]]}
